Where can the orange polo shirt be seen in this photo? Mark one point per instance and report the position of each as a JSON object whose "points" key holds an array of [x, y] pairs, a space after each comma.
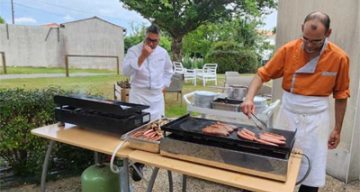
{"points": [[331, 74]]}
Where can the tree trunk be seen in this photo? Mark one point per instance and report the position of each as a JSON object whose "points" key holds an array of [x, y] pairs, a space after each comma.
{"points": [[176, 48]]}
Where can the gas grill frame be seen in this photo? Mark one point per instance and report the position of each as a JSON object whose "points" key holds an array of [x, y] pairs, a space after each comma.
{"points": [[233, 142]]}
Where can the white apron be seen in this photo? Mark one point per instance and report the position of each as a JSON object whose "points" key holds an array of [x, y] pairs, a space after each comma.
{"points": [[308, 115], [151, 97]]}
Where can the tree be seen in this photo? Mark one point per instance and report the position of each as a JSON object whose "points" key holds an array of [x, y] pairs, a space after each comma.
{"points": [[179, 17], [241, 30], [2, 20]]}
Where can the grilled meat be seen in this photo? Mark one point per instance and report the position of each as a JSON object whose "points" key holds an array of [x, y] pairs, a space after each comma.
{"points": [[152, 132], [228, 127], [266, 138], [215, 130]]}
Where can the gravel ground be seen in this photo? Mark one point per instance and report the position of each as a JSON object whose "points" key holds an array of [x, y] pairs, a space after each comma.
{"points": [[193, 185]]}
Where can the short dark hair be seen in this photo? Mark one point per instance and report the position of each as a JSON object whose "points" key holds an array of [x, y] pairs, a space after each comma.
{"points": [[153, 28], [322, 17]]}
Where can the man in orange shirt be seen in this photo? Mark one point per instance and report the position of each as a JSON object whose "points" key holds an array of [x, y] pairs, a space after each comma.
{"points": [[312, 69]]}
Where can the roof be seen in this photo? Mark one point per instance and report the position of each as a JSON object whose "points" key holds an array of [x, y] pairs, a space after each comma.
{"points": [[95, 17], [52, 25]]}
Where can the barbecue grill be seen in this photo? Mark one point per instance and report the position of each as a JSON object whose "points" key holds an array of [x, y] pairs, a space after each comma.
{"points": [[103, 115], [185, 140]]}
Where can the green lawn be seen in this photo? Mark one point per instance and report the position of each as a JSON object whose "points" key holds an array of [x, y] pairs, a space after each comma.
{"points": [[103, 85], [34, 70], [99, 85]]}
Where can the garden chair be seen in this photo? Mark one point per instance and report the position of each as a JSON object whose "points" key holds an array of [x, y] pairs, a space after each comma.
{"points": [[178, 67], [189, 74], [176, 85], [207, 73], [231, 78]]}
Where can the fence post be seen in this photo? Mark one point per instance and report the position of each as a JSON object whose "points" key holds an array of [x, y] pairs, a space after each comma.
{"points": [[67, 65], [117, 65], [3, 61]]}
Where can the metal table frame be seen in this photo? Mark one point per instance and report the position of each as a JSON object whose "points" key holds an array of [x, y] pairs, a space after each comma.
{"points": [[53, 132], [106, 144]]}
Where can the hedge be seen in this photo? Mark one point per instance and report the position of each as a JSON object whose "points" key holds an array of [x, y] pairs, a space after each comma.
{"points": [[21, 111], [232, 57]]}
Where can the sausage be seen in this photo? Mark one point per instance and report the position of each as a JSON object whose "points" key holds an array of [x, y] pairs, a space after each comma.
{"points": [[244, 135], [265, 142], [271, 139], [274, 135], [249, 132]]}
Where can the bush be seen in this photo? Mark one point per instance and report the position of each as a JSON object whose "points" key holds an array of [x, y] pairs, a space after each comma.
{"points": [[22, 110], [231, 57], [192, 63]]}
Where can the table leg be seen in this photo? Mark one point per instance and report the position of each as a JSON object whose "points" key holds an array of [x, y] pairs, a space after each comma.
{"points": [[152, 179], [171, 188], [45, 166], [184, 178], [124, 176]]}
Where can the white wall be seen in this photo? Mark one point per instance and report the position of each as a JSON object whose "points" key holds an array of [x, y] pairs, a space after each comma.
{"points": [[93, 37], [28, 45], [343, 162]]}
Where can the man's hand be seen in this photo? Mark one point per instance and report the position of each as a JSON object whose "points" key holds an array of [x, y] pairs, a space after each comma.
{"points": [[145, 52], [334, 139], [248, 107], [340, 108]]}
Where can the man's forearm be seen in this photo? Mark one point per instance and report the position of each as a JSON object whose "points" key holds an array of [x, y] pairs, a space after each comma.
{"points": [[340, 108], [254, 87], [141, 60]]}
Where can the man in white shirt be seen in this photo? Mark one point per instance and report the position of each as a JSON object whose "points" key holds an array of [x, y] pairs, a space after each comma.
{"points": [[150, 70]]}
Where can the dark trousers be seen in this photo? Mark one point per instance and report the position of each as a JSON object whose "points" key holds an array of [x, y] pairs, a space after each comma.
{"points": [[305, 188]]}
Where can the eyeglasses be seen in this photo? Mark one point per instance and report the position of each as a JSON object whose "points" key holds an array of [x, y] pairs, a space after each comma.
{"points": [[314, 42], [149, 40]]}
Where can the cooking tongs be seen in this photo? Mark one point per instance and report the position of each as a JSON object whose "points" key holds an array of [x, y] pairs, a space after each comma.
{"points": [[262, 126]]}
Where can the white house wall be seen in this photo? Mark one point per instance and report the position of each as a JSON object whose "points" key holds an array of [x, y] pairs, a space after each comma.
{"points": [[28, 45], [93, 37]]}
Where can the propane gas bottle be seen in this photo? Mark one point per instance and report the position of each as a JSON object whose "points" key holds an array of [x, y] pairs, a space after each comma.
{"points": [[98, 178]]}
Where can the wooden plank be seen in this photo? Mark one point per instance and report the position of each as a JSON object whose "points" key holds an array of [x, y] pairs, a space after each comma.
{"points": [[84, 138], [216, 175]]}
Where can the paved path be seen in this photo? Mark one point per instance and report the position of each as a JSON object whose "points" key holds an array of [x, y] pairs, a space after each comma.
{"points": [[21, 76]]}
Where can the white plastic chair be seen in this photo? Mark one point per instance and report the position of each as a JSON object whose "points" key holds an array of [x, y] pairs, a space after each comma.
{"points": [[208, 73], [232, 78], [178, 67], [189, 74]]}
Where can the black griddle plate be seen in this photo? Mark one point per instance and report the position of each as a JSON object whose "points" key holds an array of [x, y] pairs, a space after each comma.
{"points": [[190, 129]]}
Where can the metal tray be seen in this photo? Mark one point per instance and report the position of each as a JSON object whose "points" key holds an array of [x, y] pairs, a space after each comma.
{"points": [[141, 143], [226, 104]]}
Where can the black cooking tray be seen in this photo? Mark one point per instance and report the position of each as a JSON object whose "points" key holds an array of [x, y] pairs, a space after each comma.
{"points": [[101, 122], [191, 128], [228, 101], [99, 105]]}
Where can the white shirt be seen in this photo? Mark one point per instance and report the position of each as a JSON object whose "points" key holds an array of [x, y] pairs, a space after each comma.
{"points": [[154, 73]]}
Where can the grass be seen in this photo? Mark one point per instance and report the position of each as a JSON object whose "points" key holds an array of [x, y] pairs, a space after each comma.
{"points": [[103, 85], [44, 70]]}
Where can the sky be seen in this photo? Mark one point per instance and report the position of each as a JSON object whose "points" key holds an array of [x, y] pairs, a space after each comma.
{"points": [[40, 12]]}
